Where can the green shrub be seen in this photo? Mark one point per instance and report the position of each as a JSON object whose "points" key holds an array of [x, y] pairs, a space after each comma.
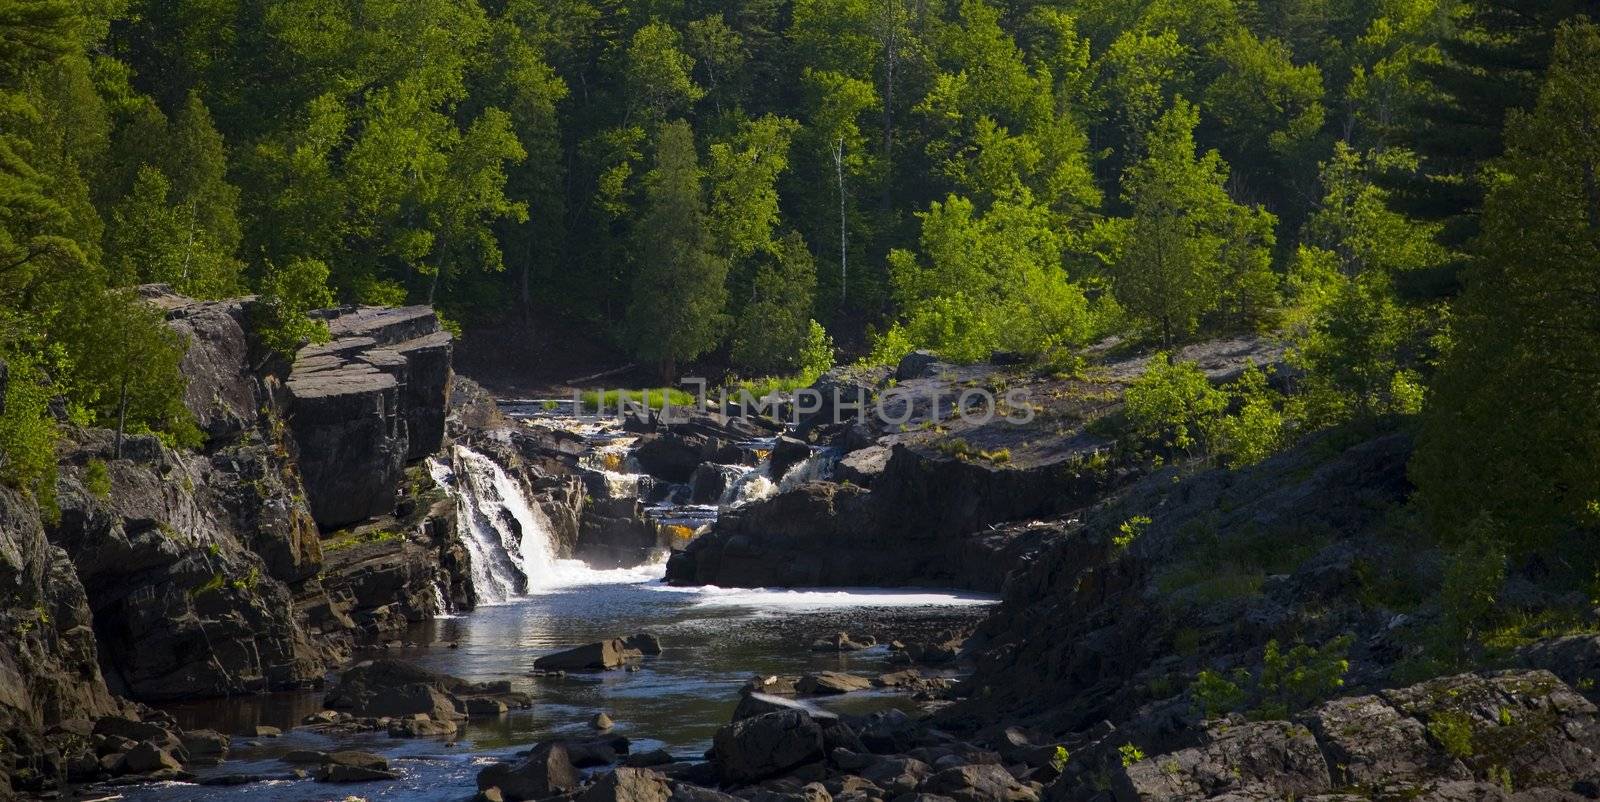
{"points": [[288, 293], [27, 432], [1173, 405], [1130, 754], [97, 479], [816, 353], [1289, 681], [1218, 695], [1453, 731], [1129, 531]]}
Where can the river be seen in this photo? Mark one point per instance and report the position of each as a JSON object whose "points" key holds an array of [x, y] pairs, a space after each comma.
{"points": [[714, 640]]}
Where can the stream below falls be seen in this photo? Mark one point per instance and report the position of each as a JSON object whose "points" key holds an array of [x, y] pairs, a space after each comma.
{"points": [[533, 603]]}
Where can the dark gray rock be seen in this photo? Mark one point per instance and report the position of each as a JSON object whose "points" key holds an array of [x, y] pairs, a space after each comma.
{"points": [[1274, 757], [355, 401], [628, 785], [221, 390], [982, 782], [545, 772], [673, 457], [863, 466], [601, 656], [786, 453], [767, 745]]}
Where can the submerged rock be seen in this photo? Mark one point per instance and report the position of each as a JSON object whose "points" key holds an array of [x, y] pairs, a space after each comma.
{"points": [[600, 656], [843, 642], [832, 682]]}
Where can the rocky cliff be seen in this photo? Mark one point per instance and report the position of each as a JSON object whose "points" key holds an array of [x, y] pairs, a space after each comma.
{"points": [[304, 525]]}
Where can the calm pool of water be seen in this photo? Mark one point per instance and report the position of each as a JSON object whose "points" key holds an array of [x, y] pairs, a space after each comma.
{"points": [[713, 640]]}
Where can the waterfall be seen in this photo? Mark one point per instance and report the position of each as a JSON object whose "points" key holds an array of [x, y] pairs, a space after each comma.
{"points": [[510, 540], [816, 467], [752, 485]]}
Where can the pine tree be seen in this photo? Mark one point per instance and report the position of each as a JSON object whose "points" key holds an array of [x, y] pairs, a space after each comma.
{"points": [[1494, 64], [1188, 246], [772, 329], [679, 293], [1510, 441]]}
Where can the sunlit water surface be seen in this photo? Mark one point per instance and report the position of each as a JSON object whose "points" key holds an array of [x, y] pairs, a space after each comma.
{"points": [[713, 640]]}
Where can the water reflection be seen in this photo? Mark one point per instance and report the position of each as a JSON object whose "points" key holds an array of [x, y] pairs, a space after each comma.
{"points": [[713, 640]]}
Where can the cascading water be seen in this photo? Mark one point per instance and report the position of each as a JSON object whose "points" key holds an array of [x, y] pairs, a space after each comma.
{"points": [[509, 539], [816, 467], [752, 485]]}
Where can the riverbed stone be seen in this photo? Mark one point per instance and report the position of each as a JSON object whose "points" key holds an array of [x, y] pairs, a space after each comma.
{"points": [[628, 785], [146, 757], [600, 656], [832, 682], [545, 772], [766, 745]]}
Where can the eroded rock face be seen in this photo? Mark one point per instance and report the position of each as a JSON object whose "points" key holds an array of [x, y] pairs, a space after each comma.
{"points": [[364, 404], [49, 663], [182, 607], [220, 392], [926, 521]]}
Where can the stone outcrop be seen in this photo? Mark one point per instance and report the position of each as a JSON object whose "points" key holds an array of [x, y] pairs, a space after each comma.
{"points": [[49, 662], [222, 396], [600, 656], [921, 523], [172, 573], [182, 606], [365, 403]]}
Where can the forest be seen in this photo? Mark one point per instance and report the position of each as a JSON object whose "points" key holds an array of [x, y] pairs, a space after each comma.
{"points": [[1405, 190]]}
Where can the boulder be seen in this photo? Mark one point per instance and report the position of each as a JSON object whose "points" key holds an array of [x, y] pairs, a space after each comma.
{"points": [[766, 745], [205, 744], [644, 643], [832, 682], [654, 757], [897, 775], [147, 757], [711, 480], [842, 642], [983, 782], [862, 466], [421, 727], [480, 707], [545, 772], [673, 457], [916, 365], [601, 721], [601, 656], [786, 453], [628, 785]]}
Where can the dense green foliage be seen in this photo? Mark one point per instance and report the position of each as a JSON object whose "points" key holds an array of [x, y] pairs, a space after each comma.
{"points": [[750, 183]]}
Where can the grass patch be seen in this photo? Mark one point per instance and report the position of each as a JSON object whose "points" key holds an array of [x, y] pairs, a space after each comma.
{"points": [[1217, 568], [962, 450], [650, 397], [97, 479], [766, 385], [347, 539]]}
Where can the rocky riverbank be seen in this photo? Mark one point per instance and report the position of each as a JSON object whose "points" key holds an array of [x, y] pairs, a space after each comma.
{"points": [[305, 525]]}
